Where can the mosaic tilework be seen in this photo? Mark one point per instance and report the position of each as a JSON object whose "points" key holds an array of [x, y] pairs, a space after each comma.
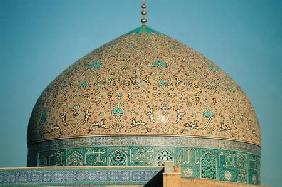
{"points": [[78, 176], [172, 141], [143, 83], [195, 161]]}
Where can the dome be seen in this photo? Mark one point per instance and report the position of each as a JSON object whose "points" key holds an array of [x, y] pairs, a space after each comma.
{"points": [[144, 83], [147, 90]]}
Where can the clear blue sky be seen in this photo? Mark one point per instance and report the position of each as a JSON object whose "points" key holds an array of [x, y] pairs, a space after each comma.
{"points": [[40, 38]]}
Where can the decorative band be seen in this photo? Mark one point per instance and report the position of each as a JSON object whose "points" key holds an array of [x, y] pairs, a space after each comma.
{"points": [[175, 141], [78, 176]]}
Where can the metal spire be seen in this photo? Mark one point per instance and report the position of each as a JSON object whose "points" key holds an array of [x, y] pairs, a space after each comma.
{"points": [[144, 13]]}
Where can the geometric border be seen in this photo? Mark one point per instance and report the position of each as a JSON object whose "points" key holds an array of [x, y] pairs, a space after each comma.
{"points": [[77, 175], [179, 141]]}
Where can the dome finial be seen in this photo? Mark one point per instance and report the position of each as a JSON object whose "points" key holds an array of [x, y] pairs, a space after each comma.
{"points": [[144, 13]]}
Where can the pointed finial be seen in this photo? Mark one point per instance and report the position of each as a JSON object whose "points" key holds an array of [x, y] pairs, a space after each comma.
{"points": [[144, 13]]}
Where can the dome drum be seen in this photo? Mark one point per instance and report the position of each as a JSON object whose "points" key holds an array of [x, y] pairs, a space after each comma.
{"points": [[226, 160]]}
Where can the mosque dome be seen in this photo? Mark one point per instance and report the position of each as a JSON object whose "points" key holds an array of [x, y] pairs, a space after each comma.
{"points": [[147, 96]]}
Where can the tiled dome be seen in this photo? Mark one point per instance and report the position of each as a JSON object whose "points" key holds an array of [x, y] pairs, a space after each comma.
{"points": [[143, 83], [141, 100]]}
